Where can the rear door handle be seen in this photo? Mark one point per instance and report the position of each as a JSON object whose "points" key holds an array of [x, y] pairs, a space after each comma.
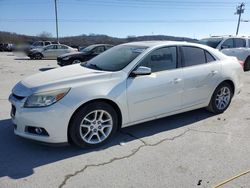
{"points": [[177, 80]]}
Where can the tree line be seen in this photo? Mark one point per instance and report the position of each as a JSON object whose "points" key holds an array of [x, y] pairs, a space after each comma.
{"points": [[83, 40]]}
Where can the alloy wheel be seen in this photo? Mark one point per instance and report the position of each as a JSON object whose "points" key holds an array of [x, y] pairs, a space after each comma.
{"points": [[96, 126], [223, 98]]}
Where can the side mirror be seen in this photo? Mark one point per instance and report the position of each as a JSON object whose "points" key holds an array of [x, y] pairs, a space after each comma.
{"points": [[141, 71]]}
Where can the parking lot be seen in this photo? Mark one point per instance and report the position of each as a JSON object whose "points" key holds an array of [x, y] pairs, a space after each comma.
{"points": [[193, 149]]}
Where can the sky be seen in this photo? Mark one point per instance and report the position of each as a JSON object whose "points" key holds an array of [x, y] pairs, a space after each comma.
{"points": [[122, 18]]}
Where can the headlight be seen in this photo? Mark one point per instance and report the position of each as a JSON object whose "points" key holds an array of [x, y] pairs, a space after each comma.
{"points": [[45, 98], [66, 58]]}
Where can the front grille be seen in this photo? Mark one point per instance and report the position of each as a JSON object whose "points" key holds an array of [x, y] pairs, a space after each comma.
{"points": [[18, 97]]}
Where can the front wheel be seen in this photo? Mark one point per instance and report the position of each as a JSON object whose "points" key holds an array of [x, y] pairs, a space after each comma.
{"points": [[221, 98], [93, 125], [38, 56], [76, 61]]}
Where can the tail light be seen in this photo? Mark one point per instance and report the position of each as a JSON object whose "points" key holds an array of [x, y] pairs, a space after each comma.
{"points": [[241, 63]]}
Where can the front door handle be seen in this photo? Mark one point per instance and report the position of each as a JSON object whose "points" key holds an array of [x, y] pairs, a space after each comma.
{"points": [[177, 80]]}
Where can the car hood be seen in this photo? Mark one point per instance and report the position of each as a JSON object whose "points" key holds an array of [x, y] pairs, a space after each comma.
{"points": [[73, 54], [59, 78]]}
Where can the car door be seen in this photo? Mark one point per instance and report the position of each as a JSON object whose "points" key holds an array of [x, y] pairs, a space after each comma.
{"points": [[49, 51], [161, 91], [61, 49], [200, 75]]}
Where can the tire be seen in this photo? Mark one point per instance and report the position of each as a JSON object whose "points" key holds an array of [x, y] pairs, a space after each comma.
{"points": [[37, 56], [89, 129], [221, 98], [76, 61], [247, 64]]}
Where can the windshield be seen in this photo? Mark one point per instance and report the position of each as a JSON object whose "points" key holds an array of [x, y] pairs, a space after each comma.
{"points": [[37, 44], [89, 48], [116, 58], [212, 42]]}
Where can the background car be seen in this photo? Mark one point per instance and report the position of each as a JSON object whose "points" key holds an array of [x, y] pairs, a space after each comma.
{"points": [[84, 55], [128, 84], [38, 45], [6, 47], [51, 51], [232, 46]]}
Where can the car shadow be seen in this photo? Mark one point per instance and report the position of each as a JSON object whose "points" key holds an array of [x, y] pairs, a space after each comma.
{"points": [[19, 157], [46, 69], [23, 58]]}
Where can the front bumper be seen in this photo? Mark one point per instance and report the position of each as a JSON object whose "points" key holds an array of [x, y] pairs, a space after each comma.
{"points": [[54, 119], [62, 62]]}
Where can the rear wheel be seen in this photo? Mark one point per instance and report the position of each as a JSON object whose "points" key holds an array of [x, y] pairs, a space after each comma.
{"points": [[221, 98], [247, 64], [93, 125]]}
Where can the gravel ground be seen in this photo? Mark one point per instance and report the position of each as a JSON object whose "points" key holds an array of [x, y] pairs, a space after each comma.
{"points": [[193, 149]]}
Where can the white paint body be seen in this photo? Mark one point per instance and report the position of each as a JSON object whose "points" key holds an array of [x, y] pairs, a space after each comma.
{"points": [[139, 98], [50, 53]]}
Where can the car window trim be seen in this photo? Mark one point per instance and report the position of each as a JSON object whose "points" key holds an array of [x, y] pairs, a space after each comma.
{"points": [[145, 56], [205, 51], [182, 56]]}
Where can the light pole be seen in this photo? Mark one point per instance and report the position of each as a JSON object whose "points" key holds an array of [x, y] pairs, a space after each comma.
{"points": [[57, 39], [239, 10]]}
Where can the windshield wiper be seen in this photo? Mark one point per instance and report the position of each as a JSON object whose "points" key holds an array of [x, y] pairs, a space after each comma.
{"points": [[95, 66], [90, 65]]}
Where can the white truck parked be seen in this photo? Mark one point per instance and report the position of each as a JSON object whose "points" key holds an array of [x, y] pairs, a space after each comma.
{"points": [[231, 46]]}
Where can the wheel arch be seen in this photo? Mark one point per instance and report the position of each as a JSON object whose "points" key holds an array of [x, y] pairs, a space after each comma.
{"points": [[230, 82], [247, 64], [38, 53], [108, 101]]}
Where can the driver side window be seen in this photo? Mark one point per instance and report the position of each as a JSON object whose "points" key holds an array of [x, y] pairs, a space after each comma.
{"points": [[161, 59], [99, 50]]}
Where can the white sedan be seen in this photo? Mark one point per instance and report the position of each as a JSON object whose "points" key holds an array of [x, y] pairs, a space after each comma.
{"points": [[50, 51], [128, 84]]}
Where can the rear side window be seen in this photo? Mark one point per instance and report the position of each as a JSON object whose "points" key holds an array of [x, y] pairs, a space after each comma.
{"points": [[240, 43], [62, 47], [161, 59], [209, 57], [51, 47], [193, 56], [47, 43]]}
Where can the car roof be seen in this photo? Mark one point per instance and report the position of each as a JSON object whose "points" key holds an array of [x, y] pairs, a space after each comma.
{"points": [[227, 37], [95, 45], [162, 43], [158, 44]]}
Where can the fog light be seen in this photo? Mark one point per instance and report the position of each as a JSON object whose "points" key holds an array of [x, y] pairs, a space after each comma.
{"points": [[36, 130]]}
